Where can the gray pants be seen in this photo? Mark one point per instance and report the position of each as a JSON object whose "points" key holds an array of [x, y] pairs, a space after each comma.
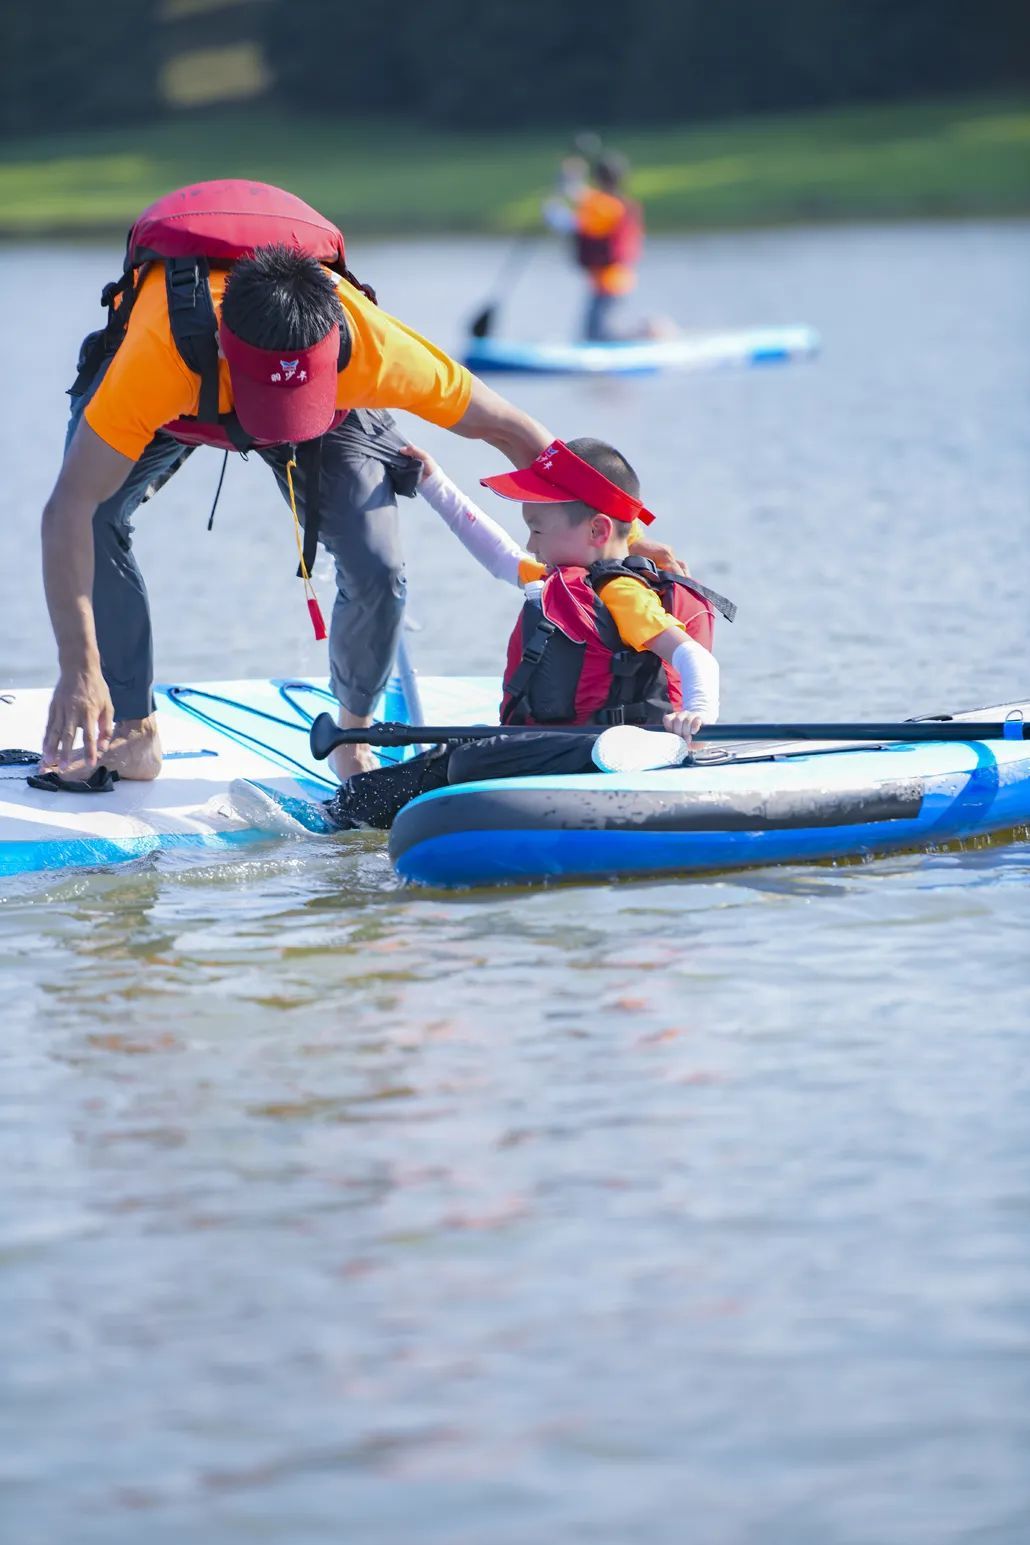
{"points": [[358, 524]]}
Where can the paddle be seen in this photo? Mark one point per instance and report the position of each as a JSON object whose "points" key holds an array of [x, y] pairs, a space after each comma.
{"points": [[326, 736], [511, 269]]}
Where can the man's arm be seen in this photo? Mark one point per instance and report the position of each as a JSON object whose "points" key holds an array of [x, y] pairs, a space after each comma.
{"points": [[490, 417], [91, 472]]}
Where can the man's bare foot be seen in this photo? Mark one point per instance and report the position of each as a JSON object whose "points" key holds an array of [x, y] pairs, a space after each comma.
{"points": [[345, 761], [134, 752]]}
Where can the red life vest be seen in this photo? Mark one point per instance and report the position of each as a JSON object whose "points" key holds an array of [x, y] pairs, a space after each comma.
{"points": [[188, 231], [621, 245], [567, 663]]}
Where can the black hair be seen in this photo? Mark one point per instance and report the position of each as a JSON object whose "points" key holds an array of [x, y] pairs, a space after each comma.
{"points": [[610, 171], [604, 458], [280, 299]]}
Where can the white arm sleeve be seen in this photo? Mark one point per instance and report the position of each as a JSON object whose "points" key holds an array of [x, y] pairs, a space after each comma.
{"points": [[488, 542], [699, 678]]}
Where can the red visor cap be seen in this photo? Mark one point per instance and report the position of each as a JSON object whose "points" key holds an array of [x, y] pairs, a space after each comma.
{"points": [[558, 476], [283, 396]]}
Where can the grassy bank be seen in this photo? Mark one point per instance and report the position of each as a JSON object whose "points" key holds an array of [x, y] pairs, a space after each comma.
{"points": [[966, 157]]}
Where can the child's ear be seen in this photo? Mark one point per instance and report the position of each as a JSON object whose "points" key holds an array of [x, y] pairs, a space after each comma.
{"points": [[601, 528]]}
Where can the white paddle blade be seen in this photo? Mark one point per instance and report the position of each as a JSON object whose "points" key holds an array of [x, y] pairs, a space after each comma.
{"points": [[627, 748]]}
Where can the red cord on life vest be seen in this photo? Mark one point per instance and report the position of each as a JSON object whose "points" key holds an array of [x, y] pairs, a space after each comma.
{"points": [[317, 620]]}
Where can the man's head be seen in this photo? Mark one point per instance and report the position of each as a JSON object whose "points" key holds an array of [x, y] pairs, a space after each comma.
{"points": [[610, 171], [281, 336], [578, 530]]}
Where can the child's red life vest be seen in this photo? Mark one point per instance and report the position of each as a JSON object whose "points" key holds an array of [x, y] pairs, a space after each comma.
{"points": [[621, 245], [567, 663], [189, 231]]}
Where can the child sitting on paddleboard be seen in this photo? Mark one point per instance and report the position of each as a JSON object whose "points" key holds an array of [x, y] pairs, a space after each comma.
{"points": [[604, 638]]}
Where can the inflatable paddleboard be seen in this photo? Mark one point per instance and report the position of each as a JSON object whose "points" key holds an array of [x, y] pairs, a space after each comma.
{"points": [[213, 733], [702, 351], [733, 807]]}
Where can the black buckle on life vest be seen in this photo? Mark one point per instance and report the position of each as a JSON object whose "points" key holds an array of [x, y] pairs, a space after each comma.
{"points": [[623, 713], [533, 653], [184, 276]]}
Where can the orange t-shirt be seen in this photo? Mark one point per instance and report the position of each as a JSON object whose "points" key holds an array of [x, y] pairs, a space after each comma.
{"points": [[149, 385], [598, 214], [636, 609]]}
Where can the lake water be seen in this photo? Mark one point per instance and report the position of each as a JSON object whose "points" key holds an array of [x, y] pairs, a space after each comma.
{"points": [[671, 1212]]}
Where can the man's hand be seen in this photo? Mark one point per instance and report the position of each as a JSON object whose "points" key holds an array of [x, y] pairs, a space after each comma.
{"points": [[683, 723], [80, 702], [658, 553], [90, 473]]}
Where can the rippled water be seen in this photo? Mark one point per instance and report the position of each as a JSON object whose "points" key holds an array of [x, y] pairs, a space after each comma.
{"points": [[667, 1212]]}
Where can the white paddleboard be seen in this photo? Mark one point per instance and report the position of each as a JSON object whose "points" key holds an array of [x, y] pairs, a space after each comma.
{"points": [[212, 733]]}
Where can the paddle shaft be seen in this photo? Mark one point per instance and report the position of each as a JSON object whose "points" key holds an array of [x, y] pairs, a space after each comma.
{"points": [[325, 736], [511, 269]]}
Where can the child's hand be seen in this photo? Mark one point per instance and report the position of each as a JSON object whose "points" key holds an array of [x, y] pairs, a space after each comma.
{"points": [[428, 464], [683, 723]]}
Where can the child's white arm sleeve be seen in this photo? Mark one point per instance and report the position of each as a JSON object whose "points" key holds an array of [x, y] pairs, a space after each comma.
{"points": [[488, 542], [699, 678]]}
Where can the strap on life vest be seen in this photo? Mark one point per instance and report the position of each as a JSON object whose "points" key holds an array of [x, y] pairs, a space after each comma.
{"points": [[522, 677], [632, 679], [97, 345], [650, 574], [309, 457]]}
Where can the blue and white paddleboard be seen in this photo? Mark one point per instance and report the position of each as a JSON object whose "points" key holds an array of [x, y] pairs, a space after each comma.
{"points": [[213, 733], [734, 807], [700, 351]]}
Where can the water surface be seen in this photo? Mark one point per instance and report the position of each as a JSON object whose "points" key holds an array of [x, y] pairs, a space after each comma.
{"points": [[665, 1212]]}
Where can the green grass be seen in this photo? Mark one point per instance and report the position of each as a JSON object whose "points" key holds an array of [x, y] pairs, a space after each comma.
{"points": [[964, 157]]}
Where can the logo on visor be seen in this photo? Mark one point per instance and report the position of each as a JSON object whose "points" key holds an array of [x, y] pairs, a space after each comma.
{"points": [[288, 371]]}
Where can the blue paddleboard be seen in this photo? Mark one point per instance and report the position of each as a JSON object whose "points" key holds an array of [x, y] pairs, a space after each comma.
{"points": [[699, 351], [731, 808]]}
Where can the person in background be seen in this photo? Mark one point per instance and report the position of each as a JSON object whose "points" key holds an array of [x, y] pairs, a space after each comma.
{"points": [[607, 228]]}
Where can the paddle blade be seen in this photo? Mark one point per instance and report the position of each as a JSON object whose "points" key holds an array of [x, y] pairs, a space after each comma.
{"points": [[482, 324], [627, 748]]}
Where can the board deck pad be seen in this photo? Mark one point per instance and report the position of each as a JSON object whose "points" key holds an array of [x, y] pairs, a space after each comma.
{"points": [[212, 733]]}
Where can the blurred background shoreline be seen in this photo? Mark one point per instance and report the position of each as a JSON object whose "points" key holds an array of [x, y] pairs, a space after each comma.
{"points": [[967, 157], [450, 118]]}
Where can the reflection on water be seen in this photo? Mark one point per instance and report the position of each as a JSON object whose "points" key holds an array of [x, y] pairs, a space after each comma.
{"points": [[333, 1210]]}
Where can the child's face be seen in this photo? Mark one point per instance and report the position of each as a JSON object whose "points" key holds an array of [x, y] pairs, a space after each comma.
{"points": [[554, 540]]}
